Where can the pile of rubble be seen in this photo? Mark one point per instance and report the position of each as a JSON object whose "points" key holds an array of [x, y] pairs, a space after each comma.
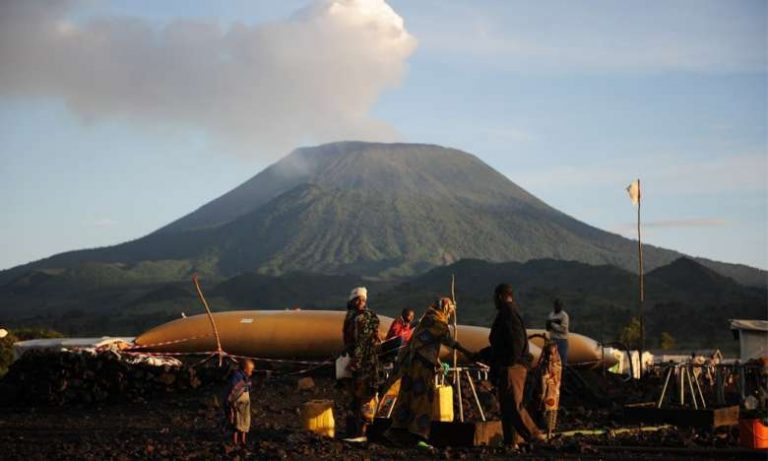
{"points": [[45, 377]]}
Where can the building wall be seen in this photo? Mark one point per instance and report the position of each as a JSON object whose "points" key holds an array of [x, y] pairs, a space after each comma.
{"points": [[754, 344]]}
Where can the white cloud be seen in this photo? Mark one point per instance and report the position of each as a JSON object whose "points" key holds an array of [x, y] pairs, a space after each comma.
{"points": [[254, 89]]}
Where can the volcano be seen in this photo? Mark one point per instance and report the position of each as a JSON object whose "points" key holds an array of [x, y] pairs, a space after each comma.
{"points": [[377, 210]]}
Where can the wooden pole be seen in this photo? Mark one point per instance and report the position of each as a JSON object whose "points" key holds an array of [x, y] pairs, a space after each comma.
{"points": [[642, 288], [455, 329], [456, 372], [210, 317]]}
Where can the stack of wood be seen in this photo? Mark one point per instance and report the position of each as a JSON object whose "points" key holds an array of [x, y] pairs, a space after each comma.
{"points": [[72, 377]]}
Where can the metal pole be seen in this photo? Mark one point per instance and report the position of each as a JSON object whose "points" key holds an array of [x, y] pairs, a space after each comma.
{"points": [[664, 389], [474, 393], [461, 401], [690, 386], [682, 385], [392, 407], [701, 394]]}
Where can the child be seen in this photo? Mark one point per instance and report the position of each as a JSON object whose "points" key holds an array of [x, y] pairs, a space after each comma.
{"points": [[239, 401], [551, 368]]}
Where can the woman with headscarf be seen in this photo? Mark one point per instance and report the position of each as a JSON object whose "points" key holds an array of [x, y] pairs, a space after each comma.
{"points": [[361, 341], [413, 412]]}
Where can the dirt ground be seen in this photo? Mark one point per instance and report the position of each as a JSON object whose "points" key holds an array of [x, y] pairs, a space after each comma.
{"points": [[187, 426]]}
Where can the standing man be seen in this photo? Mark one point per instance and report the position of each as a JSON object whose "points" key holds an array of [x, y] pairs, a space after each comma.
{"points": [[511, 357], [557, 326], [361, 340]]}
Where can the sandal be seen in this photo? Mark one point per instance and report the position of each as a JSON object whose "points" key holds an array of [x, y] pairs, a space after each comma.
{"points": [[422, 445]]}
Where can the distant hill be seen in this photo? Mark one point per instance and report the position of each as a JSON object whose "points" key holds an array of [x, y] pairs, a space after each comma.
{"points": [[388, 211], [398, 218], [684, 298]]}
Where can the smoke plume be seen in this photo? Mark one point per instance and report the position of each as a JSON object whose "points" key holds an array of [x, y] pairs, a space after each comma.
{"points": [[253, 89]]}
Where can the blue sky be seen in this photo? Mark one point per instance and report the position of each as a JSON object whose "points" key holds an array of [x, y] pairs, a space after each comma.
{"points": [[571, 100]]}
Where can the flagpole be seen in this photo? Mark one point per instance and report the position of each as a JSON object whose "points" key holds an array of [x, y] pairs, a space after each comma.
{"points": [[640, 267]]}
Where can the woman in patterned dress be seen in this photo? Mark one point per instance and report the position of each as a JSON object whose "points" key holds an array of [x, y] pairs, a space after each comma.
{"points": [[414, 409], [361, 340]]}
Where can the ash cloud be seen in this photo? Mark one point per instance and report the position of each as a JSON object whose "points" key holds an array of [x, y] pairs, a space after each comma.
{"points": [[257, 90]]}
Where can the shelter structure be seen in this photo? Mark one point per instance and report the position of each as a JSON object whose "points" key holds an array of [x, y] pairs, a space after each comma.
{"points": [[752, 336]]}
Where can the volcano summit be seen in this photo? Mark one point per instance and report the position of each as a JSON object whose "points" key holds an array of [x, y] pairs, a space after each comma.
{"points": [[384, 210]]}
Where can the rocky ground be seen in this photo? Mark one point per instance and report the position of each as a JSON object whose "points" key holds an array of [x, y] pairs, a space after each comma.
{"points": [[185, 423]]}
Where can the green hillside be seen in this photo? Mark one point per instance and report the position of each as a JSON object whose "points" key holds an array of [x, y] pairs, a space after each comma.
{"points": [[376, 210], [684, 298], [399, 218]]}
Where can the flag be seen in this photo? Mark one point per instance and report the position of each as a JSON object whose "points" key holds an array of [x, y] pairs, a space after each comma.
{"points": [[634, 191]]}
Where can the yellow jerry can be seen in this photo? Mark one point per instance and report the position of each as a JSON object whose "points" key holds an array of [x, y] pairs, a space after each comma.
{"points": [[317, 417], [443, 404]]}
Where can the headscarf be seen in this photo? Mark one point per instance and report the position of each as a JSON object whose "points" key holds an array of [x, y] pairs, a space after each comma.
{"points": [[442, 309], [359, 292], [432, 331]]}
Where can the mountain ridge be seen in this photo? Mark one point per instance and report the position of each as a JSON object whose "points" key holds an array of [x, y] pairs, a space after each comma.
{"points": [[94, 300], [383, 210]]}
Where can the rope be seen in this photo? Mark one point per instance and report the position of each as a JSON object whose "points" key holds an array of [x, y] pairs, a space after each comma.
{"points": [[226, 354], [210, 354], [165, 343]]}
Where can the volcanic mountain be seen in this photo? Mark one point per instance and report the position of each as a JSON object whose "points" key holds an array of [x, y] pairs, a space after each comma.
{"points": [[381, 210]]}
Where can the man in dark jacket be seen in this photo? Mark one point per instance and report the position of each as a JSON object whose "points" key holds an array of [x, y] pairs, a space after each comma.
{"points": [[511, 359]]}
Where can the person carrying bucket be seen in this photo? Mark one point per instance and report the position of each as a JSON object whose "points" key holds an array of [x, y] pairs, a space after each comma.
{"points": [[418, 362]]}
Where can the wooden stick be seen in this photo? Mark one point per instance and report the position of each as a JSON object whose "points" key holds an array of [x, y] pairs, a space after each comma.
{"points": [[456, 372], [640, 267], [455, 329], [210, 317]]}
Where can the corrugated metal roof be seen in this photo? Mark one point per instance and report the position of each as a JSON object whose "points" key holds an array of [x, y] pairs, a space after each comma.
{"points": [[752, 325]]}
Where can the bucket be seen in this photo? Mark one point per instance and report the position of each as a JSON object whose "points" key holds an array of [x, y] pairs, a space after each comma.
{"points": [[342, 367], [753, 434], [443, 404], [317, 417], [387, 402], [368, 409]]}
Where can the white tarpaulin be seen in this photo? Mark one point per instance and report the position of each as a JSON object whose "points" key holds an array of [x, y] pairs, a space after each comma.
{"points": [[57, 344]]}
